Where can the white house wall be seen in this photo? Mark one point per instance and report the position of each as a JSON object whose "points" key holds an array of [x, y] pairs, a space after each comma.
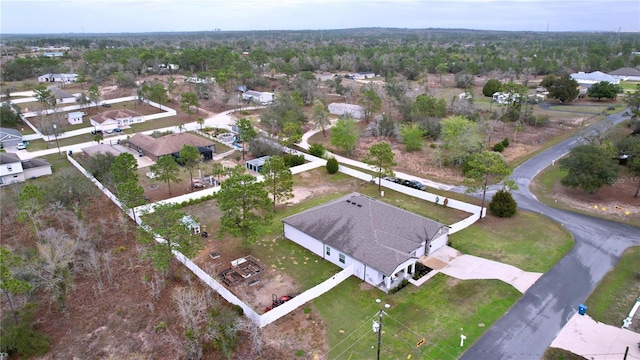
{"points": [[303, 240], [438, 242], [37, 172]]}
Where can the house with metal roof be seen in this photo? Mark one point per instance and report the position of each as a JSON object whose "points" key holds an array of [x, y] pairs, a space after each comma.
{"points": [[59, 78], [263, 98], [342, 109], [588, 79], [626, 74], [381, 241]]}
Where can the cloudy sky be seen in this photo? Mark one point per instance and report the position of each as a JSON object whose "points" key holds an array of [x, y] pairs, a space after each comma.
{"points": [[115, 16]]}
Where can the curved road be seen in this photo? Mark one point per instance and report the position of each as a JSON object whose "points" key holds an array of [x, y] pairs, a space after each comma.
{"points": [[527, 329]]}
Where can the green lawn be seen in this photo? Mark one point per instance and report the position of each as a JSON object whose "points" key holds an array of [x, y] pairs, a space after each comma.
{"points": [[629, 86], [158, 124], [616, 294], [435, 312], [528, 241], [600, 109]]}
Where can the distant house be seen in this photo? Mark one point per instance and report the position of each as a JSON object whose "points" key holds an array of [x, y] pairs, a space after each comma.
{"points": [[199, 80], [257, 164], [626, 74], [171, 144], [58, 78], [13, 170], [263, 98], [191, 225], [382, 242], [53, 54], [9, 137], [62, 97], [341, 109], [112, 119], [363, 75], [75, 118], [588, 79], [505, 97]]}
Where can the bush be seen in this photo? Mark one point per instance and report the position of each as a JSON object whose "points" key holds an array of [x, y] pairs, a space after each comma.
{"points": [[505, 142], [537, 121], [502, 204], [498, 147], [317, 150], [293, 160], [491, 87], [403, 284], [332, 165], [421, 270]]}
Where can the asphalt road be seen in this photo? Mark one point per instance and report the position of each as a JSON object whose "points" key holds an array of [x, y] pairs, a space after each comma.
{"points": [[527, 329]]}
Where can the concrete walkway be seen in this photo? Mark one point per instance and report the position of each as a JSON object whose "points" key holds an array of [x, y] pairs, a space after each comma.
{"points": [[451, 262], [593, 340]]}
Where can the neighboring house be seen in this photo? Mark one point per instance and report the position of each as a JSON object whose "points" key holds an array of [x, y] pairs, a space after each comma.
{"points": [[626, 74], [382, 242], [341, 109], [75, 118], [62, 97], [363, 75], [112, 119], [263, 98], [9, 137], [170, 145], [242, 88], [14, 170], [256, 164], [53, 54], [199, 80], [588, 79], [59, 78], [505, 98]]}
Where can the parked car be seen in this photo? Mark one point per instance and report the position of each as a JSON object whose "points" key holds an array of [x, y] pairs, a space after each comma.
{"points": [[94, 132], [393, 179], [21, 146], [109, 131], [198, 184], [414, 184], [106, 105], [117, 130]]}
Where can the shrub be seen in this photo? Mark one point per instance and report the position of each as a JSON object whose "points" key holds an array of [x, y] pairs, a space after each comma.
{"points": [[502, 204], [293, 160], [332, 165], [317, 150], [404, 283], [505, 142], [491, 87], [421, 270], [537, 120], [498, 147]]}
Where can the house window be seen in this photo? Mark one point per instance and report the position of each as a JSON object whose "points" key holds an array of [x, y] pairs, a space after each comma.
{"points": [[328, 251], [341, 258]]}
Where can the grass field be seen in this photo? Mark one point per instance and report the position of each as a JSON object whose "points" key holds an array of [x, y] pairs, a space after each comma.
{"points": [[528, 241], [438, 312], [616, 294], [629, 86]]}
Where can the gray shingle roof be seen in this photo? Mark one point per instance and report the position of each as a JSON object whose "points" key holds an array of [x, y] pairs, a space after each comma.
{"points": [[625, 72], [373, 232]]}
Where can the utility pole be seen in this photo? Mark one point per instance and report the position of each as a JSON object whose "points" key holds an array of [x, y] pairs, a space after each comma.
{"points": [[377, 326], [55, 133]]}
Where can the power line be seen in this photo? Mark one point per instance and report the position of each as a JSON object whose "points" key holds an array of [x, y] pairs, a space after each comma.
{"points": [[350, 346], [353, 332], [420, 336]]}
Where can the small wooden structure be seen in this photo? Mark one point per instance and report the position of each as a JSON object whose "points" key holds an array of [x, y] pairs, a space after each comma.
{"points": [[247, 267]]}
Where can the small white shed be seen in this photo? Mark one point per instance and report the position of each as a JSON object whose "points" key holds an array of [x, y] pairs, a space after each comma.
{"points": [[191, 224], [75, 118]]}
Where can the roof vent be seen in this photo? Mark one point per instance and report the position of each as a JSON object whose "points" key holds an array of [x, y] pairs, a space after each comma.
{"points": [[359, 205], [349, 201], [353, 203]]}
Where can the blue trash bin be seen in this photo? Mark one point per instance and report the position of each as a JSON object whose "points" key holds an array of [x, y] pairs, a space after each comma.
{"points": [[582, 309]]}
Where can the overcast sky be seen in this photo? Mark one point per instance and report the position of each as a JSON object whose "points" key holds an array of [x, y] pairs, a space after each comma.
{"points": [[115, 16]]}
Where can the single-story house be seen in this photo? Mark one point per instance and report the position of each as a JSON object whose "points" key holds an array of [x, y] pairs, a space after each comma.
{"points": [[263, 98], [14, 170], [63, 97], [626, 74], [257, 163], [9, 137], [62, 78], [190, 224], [505, 97], [341, 109], [363, 75], [199, 80], [112, 119], [53, 54], [170, 145], [75, 118], [382, 242], [588, 79]]}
